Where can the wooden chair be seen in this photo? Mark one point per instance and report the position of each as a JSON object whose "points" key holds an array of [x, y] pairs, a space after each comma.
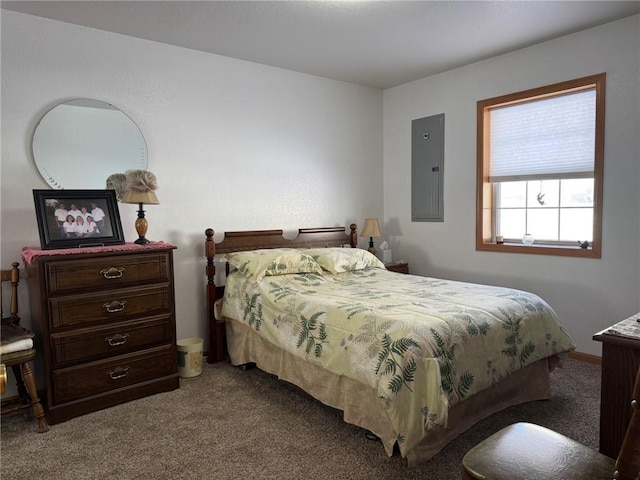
{"points": [[524, 450], [17, 352]]}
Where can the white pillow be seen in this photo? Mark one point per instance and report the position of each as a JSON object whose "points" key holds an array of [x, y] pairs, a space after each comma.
{"points": [[338, 260], [256, 264]]}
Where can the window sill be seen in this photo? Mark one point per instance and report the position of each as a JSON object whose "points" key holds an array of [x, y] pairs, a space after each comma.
{"points": [[539, 249]]}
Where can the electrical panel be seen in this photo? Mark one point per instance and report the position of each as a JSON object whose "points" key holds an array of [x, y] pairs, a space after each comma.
{"points": [[427, 169]]}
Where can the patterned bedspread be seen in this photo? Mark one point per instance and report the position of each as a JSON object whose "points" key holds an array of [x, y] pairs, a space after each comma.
{"points": [[423, 343]]}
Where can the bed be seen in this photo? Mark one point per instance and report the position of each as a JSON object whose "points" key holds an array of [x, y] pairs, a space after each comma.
{"points": [[414, 360]]}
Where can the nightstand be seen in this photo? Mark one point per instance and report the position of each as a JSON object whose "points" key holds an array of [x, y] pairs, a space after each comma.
{"points": [[398, 267]]}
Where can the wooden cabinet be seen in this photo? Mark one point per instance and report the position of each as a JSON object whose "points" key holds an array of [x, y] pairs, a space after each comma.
{"points": [[620, 362], [107, 323], [398, 267]]}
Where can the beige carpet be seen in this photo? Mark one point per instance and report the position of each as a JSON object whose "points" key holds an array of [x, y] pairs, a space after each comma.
{"points": [[233, 424]]}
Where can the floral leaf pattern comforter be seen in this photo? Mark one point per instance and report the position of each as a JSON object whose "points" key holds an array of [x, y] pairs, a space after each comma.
{"points": [[422, 343]]}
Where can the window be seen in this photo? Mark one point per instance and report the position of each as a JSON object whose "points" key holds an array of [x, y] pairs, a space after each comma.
{"points": [[539, 172]]}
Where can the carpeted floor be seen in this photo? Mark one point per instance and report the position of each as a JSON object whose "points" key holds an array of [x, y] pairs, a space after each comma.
{"points": [[233, 424]]}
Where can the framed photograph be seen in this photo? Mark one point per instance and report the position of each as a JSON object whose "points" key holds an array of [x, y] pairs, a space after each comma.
{"points": [[77, 218]]}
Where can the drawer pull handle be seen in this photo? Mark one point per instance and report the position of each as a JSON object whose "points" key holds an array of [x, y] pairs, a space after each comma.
{"points": [[115, 306], [117, 339], [119, 372], [112, 272]]}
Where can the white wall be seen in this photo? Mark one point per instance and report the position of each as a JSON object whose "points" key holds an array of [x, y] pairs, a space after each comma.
{"points": [[587, 294], [234, 145]]}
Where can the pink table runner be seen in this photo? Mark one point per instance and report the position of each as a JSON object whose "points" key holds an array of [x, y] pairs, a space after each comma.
{"points": [[29, 253]]}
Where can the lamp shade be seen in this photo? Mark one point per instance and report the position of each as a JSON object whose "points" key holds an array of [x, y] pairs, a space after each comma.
{"points": [[140, 187], [134, 196], [371, 228]]}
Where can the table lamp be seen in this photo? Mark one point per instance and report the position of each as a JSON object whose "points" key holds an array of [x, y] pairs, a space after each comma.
{"points": [[371, 229], [141, 186]]}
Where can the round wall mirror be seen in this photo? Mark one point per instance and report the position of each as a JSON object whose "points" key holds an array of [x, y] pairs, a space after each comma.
{"points": [[79, 143]]}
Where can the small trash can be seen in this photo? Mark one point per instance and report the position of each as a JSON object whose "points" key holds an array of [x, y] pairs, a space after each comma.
{"points": [[190, 357]]}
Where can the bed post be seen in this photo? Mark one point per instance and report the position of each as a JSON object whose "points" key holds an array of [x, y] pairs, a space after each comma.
{"points": [[216, 329], [353, 235]]}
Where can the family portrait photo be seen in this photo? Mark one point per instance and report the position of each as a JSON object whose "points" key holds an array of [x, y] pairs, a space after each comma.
{"points": [[77, 218]]}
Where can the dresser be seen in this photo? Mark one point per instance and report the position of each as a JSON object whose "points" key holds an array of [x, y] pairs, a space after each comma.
{"points": [[620, 362], [107, 325]]}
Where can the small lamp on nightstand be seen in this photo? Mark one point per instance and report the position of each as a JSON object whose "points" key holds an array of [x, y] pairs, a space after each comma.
{"points": [[141, 186], [371, 229]]}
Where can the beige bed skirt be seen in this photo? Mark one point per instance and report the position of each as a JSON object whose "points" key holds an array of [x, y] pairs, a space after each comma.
{"points": [[360, 404]]}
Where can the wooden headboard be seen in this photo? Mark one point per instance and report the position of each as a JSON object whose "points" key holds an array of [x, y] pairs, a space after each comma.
{"points": [[323, 237]]}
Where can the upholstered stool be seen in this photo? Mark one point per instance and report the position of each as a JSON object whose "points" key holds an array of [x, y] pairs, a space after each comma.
{"points": [[528, 451]]}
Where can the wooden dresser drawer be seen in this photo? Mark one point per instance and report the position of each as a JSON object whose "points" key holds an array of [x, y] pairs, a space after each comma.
{"points": [[92, 378], [72, 276], [117, 305], [88, 344]]}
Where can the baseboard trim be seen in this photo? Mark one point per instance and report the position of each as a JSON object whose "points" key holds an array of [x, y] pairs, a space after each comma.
{"points": [[586, 357]]}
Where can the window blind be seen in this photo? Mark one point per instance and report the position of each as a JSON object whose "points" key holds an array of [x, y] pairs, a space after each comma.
{"points": [[552, 137]]}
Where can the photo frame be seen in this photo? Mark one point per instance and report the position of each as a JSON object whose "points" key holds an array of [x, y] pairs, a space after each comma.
{"points": [[53, 205]]}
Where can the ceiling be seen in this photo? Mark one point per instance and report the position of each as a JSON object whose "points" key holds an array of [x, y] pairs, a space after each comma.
{"points": [[376, 43]]}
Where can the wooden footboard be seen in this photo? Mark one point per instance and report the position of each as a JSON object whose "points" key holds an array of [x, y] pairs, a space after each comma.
{"points": [[322, 237]]}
